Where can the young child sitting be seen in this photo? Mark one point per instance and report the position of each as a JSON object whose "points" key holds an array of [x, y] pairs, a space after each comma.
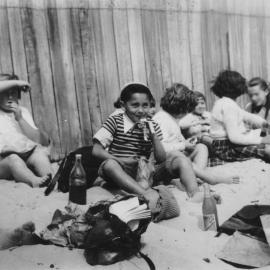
{"points": [[127, 138], [232, 141], [20, 148], [197, 123], [176, 103]]}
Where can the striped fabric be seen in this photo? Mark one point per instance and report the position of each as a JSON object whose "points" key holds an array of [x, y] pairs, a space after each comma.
{"points": [[130, 143]]}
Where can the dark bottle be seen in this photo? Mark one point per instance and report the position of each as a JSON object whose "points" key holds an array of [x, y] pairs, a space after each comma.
{"points": [[209, 209], [77, 183]]}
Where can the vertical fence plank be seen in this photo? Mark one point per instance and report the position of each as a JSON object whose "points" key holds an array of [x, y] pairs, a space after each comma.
{"points": [[164, 44], [120, 22], [17, 48], [136, 41], [151, 48], [109, 60], [88, 49], [195, 44], [39, 68], [80, 84], [5, 52], [63, 19]]}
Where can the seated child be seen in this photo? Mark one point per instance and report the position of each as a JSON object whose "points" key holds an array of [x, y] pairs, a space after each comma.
{"points": [[232, 141], [196, 123], [176, 103], [20, 148], [126, 140]]}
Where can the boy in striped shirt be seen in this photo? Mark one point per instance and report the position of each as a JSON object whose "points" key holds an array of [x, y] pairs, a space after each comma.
{"points": [[127, 139]]}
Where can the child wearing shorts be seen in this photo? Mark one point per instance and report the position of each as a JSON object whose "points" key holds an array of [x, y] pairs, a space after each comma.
{"points": [[22, 157], [127, 137]]}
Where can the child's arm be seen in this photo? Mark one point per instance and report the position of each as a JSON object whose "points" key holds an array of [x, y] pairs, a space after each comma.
{"points": [[32, 133], [232, 128], [14, 83], [253, 119]]}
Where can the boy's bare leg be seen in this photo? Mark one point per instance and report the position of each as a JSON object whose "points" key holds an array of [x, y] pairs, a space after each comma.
{"points": [[211, 178], [113, 170], [14, 167], [199, 156], [183, 166], [39, 162]]}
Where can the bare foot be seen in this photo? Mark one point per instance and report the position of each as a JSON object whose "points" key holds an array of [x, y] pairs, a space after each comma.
{"points": [[20, 236], [198, 197], [235, 179], [215, 179], [42, 181]]}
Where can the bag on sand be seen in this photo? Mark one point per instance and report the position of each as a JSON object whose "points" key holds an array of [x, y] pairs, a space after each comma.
{"points": [[89, 163], [105, 238]]}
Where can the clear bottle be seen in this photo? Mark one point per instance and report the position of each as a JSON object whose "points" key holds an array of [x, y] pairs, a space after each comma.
{"points": [[209, 210], [77, 182]]}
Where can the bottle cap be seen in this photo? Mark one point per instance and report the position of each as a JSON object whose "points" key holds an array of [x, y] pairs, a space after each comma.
{"points": [[77, 156]]}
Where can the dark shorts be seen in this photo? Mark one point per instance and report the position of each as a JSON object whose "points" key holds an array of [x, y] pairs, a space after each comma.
{"points": [[163, 172], [223, 151]]}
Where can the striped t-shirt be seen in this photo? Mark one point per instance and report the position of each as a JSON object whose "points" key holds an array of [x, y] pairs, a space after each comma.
{"points": [[124, 138]]}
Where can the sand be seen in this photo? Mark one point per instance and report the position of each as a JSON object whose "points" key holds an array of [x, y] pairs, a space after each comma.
{"points": [[179, 243]]}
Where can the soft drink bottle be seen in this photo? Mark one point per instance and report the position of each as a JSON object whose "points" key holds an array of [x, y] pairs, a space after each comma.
{"points": [[77, 182], [209, 209]]}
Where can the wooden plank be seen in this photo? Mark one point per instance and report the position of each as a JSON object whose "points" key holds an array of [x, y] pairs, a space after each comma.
{"points": [[151, 49], [37, 56], [17, 49], [5, 52], [164, 44], [178, 40], [109, 57], [121, 34], [63, 18], [195, 44], [136, 41], [88, 50], [80, 83]]}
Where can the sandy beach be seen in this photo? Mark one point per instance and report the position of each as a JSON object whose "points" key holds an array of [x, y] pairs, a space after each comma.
{"points": [[179, 243]]}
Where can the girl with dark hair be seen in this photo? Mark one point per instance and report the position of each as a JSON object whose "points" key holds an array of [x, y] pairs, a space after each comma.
{"points": [[258, 92], [232, 141]]}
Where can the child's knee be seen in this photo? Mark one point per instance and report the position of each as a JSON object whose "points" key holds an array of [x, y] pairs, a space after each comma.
{"points": [[14, 159], [201, 148], [110, 165], [176, 160]]}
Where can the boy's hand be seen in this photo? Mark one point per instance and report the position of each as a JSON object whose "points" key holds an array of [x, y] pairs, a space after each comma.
{"points": [[16, 109]]}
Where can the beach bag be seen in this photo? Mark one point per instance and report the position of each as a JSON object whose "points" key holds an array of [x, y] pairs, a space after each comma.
{"points": [[89, 163], [111, 240]]}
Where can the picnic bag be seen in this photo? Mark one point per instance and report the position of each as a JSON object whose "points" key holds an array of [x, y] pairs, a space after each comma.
{"points": [[105, 238]]}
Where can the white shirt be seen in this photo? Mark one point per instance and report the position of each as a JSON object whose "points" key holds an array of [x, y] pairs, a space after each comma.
{"points": [[173, 139], [228, 121], [11, 134]]}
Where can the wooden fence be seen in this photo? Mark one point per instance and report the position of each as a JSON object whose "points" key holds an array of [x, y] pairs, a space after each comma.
{"points": [[78, 53]]}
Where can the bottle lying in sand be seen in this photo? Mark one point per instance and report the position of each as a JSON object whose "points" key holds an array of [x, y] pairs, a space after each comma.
{"points": [[77, 183], [209, 209]]}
